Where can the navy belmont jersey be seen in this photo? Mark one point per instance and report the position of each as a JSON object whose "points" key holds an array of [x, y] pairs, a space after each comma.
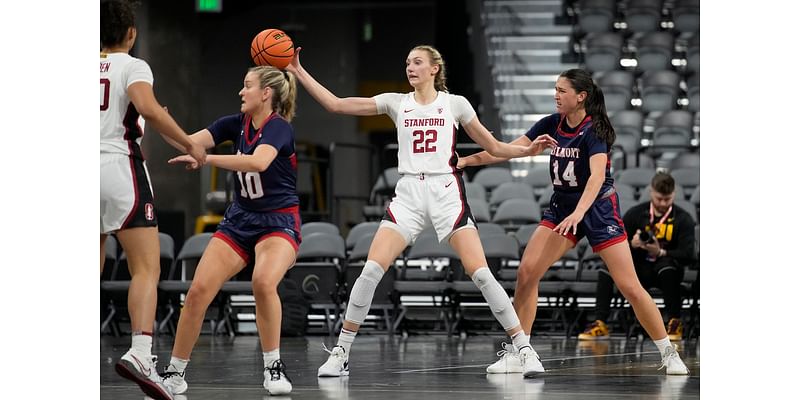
{"points": [[276, 187], [569, 162]]}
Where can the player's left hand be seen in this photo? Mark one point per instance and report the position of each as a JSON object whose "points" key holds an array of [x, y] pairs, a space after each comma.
{"points": [[569, 224], [191, 163]]}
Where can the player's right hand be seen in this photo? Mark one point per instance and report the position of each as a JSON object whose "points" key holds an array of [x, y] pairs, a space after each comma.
{"points": [[295, 64]]}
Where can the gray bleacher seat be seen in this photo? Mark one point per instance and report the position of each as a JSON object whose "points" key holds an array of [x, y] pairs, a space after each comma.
{"points": [[487, 228], [628, 126], [381, 192], [686, 15], [654, 51], [689, 178], [480, 210], [360, 230], [539, 179], [491, 177], [316, 227], [659, 90], [626, 191], [639, 178], [602, 51], [684, 160], [180, 276], [596, 15], [510, 190], [693, 53], [475, 191], [514, 213], [643, 15], [617, 89], [693, 92]]}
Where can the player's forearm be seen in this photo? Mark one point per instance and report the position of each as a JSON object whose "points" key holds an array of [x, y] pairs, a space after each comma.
{"points": [[590, 192], [237, 162], [163, 123], [482, 158]]}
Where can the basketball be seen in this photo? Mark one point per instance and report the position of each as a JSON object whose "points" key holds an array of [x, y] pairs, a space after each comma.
{"points": [[272, 47]]}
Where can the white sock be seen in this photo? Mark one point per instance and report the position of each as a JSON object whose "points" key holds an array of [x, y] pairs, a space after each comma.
{"points": [[346, 339], [521, 340], [271, 356], [142, 343], [662, 344], [177, 364]]}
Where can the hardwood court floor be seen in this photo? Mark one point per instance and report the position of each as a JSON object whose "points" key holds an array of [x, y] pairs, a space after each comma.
{"points": [[418, 367]]}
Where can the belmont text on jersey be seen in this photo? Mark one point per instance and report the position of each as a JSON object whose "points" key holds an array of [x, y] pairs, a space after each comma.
{"points": [[566, 152]]}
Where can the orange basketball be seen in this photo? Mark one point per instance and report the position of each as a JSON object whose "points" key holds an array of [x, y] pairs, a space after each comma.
{"points": [[272, 47]]}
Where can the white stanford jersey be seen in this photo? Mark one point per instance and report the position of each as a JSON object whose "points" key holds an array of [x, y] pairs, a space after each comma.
{"points": [[121, 127], [426, 135]]}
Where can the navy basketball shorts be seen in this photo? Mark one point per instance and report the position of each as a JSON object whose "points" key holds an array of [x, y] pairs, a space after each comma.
{"points": [[601, 225], [243, 229], [126, 196]]}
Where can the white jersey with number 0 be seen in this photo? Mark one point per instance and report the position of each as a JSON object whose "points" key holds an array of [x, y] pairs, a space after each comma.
{"points": [[426, 135], [121, 127]]}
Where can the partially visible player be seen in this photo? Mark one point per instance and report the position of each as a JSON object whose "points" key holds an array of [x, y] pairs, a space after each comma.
{"points": [[126, 198], [262, 223], [430, 191], [584, 203]]}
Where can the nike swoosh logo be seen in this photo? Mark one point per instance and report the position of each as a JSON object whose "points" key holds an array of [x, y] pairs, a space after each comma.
{"points": [[405, 111], [448, 185], [141, 366]]}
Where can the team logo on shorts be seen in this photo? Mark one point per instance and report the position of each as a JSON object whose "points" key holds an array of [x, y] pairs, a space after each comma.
{"points": [[148, 211], [612, 229]]}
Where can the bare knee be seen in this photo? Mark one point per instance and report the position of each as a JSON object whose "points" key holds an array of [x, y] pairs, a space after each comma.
{"points": [[198, 298], [528, 275], [264, 287], [633, 292]]}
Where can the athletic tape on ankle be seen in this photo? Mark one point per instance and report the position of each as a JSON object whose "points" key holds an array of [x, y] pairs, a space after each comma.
{"points": [[363, 291], [497, 298]]}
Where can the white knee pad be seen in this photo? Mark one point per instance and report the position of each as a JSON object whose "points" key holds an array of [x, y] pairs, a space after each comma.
{"points": [[363, 291], [497, 298]]}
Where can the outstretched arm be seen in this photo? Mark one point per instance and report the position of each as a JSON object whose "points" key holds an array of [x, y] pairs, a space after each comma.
{"points": [[259, 161], [348, 105], [497, 151], [142, 97]]}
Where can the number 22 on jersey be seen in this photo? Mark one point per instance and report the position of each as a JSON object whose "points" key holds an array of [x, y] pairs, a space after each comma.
{"points": [[424, 141]]}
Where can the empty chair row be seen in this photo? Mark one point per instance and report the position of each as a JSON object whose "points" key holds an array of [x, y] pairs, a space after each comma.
{"points": [[638, 15], [653, 51]]}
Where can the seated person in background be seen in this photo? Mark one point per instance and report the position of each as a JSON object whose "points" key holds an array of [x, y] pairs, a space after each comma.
{"points": [[661, 236]]}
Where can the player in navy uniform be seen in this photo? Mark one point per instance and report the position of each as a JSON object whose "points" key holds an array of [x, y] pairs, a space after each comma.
{"points": [[262, 223], [429, 193], [126, 196], [584, 203]]}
